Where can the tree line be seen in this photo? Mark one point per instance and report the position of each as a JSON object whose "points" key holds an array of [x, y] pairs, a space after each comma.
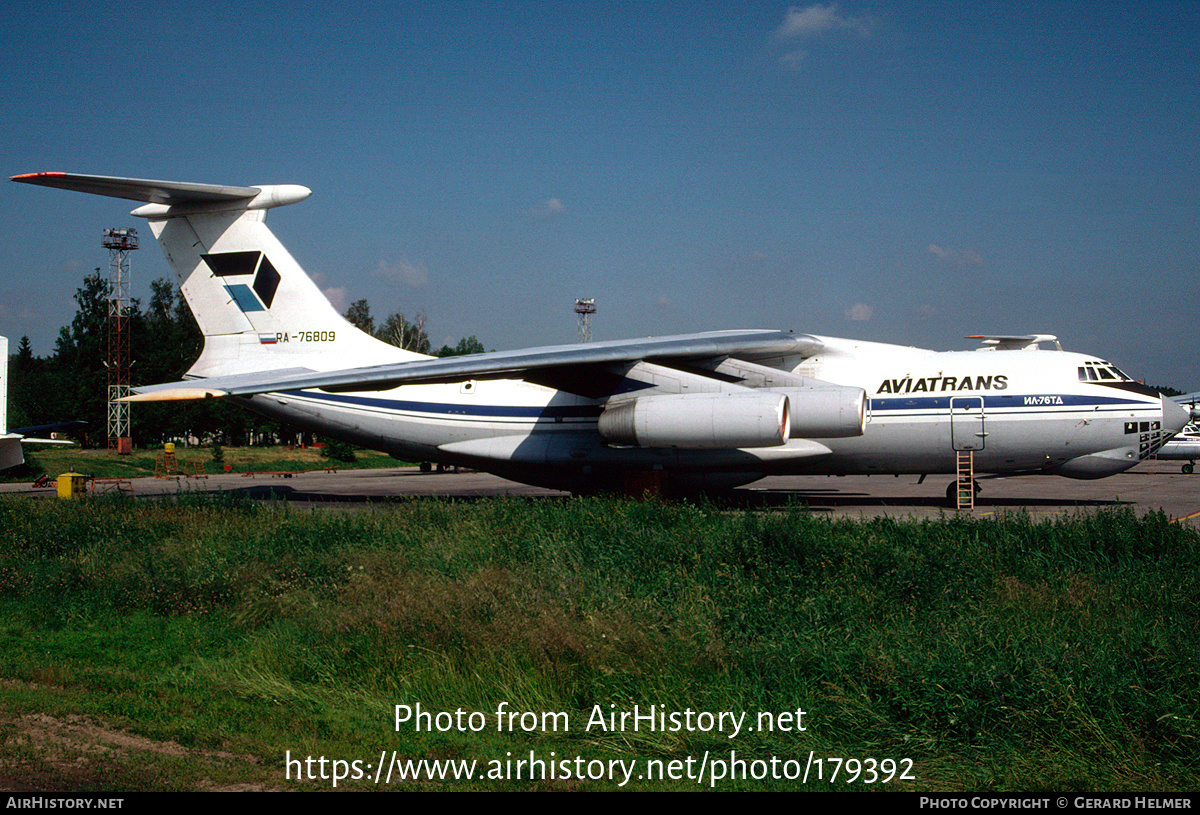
{"points": [[72, 382]]}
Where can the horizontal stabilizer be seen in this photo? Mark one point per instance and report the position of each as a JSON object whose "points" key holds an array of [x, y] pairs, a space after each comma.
{"points": [[165, 199], [140, 189]]}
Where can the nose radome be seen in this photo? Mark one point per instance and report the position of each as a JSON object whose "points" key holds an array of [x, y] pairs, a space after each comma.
{"points": [[1175, 416]]}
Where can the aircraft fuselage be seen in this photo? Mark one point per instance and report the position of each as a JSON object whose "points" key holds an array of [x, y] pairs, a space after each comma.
{"points": [[1019, 411]]}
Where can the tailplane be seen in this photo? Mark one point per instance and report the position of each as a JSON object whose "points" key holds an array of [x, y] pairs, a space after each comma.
{"points": [[256, 307]]}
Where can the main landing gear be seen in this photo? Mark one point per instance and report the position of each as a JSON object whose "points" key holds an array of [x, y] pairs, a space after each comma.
{"points": [[429, 467], [952, 492]]}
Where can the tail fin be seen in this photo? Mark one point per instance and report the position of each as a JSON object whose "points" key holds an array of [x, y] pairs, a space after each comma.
{"points": [[256, 307]]}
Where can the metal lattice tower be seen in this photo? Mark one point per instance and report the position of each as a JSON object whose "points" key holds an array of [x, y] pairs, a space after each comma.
{"points": [[119, 243], [585, 309]]}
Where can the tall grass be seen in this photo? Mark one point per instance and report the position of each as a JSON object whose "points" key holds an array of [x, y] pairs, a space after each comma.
{"points": [[1005, 653]]}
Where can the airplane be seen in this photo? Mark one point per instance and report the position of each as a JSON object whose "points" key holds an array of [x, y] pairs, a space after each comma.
{"points": [[12, 452], [1185, 446], [704, 411]]}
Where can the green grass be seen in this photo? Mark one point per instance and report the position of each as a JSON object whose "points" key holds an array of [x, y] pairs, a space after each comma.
{"points": [[108, 464], [1000, 654]]}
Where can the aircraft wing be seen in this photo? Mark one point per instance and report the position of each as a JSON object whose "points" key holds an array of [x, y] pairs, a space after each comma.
{"points": [[25, 433], [11, 451], [75, 424], [528, 363]]}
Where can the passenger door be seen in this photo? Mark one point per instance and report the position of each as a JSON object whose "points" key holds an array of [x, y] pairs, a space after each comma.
{"points": [[967, 426]]}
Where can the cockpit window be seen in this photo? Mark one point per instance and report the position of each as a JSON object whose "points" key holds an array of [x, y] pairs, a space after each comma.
{"points": [[1095, 371]]}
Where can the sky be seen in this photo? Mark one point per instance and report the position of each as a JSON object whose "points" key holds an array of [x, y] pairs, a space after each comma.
{"points": [[906, 172]]}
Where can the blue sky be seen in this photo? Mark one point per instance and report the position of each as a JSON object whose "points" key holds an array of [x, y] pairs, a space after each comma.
{"points": [[905, 172]]}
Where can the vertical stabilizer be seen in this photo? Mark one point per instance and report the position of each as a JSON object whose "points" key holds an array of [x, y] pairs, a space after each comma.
{"points": [[256, 307]]}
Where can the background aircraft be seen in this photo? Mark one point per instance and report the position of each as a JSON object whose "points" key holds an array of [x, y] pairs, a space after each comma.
{"points": [[1185, 446], [708, 410], [11, 451]]}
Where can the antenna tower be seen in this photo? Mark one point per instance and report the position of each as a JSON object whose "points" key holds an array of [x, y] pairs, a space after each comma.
{"points": [[585, 309], [119, 243]]}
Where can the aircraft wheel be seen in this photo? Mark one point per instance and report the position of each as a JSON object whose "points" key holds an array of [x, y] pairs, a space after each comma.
{"points": [[426, 467], [952, 493], [1188, 468]]}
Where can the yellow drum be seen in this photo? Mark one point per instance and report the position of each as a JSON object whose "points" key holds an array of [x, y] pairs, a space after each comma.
{"points": [[72, 485]]}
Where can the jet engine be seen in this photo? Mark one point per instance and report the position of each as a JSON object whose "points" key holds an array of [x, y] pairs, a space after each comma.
{"points": [[718, 421], [700, 421], [830, 412]]}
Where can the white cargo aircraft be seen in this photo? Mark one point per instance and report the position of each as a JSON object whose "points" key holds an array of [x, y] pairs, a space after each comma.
{"points": [[710, 410], [11, 451]]}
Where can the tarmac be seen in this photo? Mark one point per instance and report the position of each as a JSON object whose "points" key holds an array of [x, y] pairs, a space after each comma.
{"points": [[1150, 486]]}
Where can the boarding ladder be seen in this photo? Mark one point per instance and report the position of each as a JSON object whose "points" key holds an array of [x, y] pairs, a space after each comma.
{"points": [[965, 482], [165, 464]]}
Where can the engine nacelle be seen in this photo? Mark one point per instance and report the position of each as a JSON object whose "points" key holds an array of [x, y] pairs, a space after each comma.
{"points": [[700, 421], [829, 412]]}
